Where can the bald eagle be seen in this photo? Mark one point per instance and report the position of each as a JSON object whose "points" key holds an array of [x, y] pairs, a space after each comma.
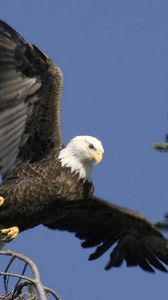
{"points": [[45, 182]]}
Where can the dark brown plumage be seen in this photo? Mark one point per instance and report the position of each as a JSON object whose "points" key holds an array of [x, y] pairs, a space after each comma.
{"points": [[36, 188]]}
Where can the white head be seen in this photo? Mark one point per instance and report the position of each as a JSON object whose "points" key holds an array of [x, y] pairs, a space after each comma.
{"points": [[80, 154]]}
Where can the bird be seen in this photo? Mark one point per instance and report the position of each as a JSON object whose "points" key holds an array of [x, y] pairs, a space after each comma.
{"points": [[48, 183]]}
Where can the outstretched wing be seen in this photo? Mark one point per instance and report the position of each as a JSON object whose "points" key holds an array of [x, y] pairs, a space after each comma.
{"points": [[103, 225], [30, 92]]}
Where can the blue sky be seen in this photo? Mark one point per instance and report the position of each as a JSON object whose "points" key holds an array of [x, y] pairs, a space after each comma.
{"points": [[114, 56]]}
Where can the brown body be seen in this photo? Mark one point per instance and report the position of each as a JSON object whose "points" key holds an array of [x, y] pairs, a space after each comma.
{"points": [[37, 192]]}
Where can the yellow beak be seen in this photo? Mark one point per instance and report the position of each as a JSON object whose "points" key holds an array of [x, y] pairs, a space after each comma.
{"points": [[97, 156]]}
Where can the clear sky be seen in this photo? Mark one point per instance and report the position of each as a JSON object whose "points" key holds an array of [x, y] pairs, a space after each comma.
{"points": [[114, 56]]}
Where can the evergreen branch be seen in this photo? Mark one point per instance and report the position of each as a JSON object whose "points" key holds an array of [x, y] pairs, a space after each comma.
{"points": [[163, 147]]}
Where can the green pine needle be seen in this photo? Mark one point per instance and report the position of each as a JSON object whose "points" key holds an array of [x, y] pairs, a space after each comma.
{"points": [[161, 147]]}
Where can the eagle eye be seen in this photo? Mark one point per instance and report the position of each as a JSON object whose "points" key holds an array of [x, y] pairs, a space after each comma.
{"points": [[91, 146]]}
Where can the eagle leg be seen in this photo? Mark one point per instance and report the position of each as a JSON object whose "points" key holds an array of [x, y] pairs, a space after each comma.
{"points": [[9, 234], [1, 200]]}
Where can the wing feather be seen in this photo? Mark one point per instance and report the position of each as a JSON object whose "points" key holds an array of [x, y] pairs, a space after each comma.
{"points": [[105, 226], [30, 93]]}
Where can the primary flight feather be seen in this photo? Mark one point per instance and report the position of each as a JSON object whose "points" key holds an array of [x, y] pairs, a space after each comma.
{"points": [[48, 183]]}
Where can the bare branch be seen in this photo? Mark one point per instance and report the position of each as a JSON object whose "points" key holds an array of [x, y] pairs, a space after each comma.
{"points": [[24, 281]]}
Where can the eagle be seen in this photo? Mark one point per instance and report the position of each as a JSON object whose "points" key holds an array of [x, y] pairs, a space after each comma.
{"points": [[48, 183]]}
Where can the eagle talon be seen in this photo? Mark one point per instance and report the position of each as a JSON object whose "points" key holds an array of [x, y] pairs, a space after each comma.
{"points": [[9, 234], [1, 200]]}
